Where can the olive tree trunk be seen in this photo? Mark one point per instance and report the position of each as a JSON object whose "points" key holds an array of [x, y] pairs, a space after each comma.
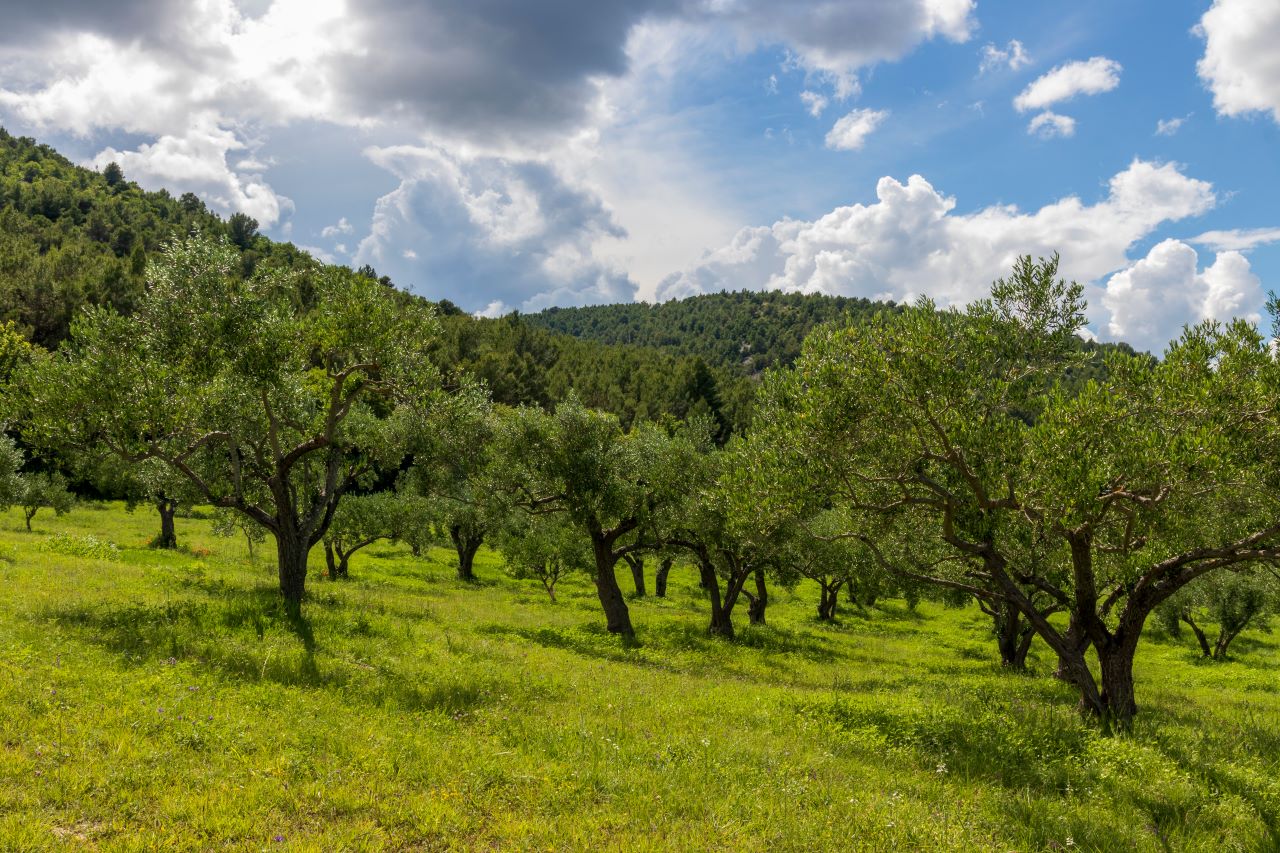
{"points": [[466, 545], [660, 577], [168, 537], [758, 603], [637, 573], [616, 613]]}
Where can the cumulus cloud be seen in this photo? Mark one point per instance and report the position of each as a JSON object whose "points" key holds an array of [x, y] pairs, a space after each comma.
{"points": [[1150, 301], [192, 82], [1088, 77], [1049, 124], [850, 132], [1237, 239], [196, 161], [837, 39], [1240, 65], [814, 103], [493, 310], [910, 241], [1012, 56], [480, 229], [343, 227]]}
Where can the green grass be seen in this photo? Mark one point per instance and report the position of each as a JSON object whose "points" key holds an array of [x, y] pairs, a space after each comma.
{"points": [[164, 701]]}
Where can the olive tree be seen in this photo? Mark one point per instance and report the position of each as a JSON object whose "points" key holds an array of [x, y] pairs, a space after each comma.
{"points": [[43, 490], [544, 548], [1232, 601], [953, 429], [360, 521], [272, 395], [151, 483], [607, 483], [731, 542]]}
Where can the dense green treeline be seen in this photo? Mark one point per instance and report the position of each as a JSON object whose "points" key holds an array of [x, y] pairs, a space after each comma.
{"points": [[71, 237], [746, 330], [743, 333]]}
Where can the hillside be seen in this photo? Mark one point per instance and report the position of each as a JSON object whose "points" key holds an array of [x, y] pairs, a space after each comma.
{"points": [[72, 237], [164, 701]]}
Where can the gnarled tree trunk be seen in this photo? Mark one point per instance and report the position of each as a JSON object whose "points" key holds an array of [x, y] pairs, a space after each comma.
{"points": [[660, 578], [291, 555], [829, 597], [758, 603], [637, 573], [466, 545], [1199, 633], [168, 537], [616, 613]]}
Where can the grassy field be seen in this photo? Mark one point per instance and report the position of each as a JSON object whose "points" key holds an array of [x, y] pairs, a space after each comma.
{"points": [[155, 701]]}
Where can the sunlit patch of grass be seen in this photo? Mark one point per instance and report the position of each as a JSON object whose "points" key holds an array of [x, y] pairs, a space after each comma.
{"points": [[166, 700]]}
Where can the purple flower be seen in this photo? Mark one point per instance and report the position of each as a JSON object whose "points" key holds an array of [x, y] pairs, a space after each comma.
{"points": [[278, 839]]}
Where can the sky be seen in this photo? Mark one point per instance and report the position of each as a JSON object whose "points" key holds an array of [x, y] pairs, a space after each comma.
{"points": [[513, 155]]}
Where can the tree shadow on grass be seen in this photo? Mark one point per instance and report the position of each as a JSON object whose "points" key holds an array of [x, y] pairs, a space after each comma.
{"points": [[1248, 736], [1018, 746], [204, 632], [646, 651]]}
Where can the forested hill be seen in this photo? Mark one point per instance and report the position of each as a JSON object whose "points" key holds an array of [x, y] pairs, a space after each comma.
{"points": [[747, 331], [71, 237]]}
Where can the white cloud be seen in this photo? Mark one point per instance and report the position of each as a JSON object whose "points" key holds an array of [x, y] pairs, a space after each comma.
{"points": [[1048, 125], [835, 39], [1012, 56], [1088, 77], [1237, 239], [1150, 301], [493, 310], [850, 132], [771, 84], [196, 161], [1241, 65], [505, 78], [910, 241], [1170, 126], [814, 103], [484, 228], [343, 227]]}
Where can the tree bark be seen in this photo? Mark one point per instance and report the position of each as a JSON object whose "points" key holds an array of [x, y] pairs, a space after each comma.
{"points": [[330, 560], [616, 613], [1012, 636], [30, 514], [1115, 667], [1200, 636], [637, 573], [1224, 640], [759, 602], [660, 578], [827, 600], [466, 546], [168, 537], [1079, 643], [721, 616], [291, 554]]}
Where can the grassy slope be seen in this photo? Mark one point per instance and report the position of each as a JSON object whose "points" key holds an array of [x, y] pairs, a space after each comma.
{"points": [[162, 701]]}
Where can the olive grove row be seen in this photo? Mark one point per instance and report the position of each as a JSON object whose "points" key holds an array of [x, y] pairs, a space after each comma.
{"points": [[923, 451]]}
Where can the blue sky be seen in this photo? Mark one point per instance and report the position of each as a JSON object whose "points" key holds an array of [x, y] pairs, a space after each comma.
{"points": [[509, 155]]}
